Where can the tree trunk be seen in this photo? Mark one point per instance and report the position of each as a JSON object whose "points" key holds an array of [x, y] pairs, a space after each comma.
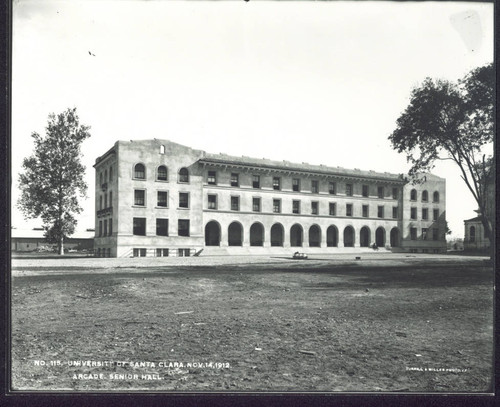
{"points": [[61, 245]]}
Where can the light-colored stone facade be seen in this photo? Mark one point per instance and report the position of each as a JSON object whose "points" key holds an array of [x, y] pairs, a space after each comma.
{"points": [[474, 236], [241, 205]]}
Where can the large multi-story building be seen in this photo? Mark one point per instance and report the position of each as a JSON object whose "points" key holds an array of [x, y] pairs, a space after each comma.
{"points": [[159, 198]]}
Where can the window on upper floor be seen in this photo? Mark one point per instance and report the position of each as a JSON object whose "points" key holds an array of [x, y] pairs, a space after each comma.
{"points": [[425, 196], [276, 183], [380, 211], [184, 175], [425, 214], [435, 214], [348, 210], [394, 212], [314, 186], [212, 201], [256, 204], [395, 193], [424, 233], [183, 199], [332, 208], [212, 178], [235, 203], [314, 208], [110, 174], [100, 202], [162, 199], [332, 188], [348, 189], [413, 195], [256, 181], [277, 205], [161, 227], [435, 197], [162, 173], [183, 227], [413, 213], [296, 207], [296, 185], [364, 191], [380, 192], [139, 171], [365, 211], [235, 179], [139, 197]]}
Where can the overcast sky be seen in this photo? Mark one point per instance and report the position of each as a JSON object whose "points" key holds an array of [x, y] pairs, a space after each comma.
{"points": [[316, 82]]}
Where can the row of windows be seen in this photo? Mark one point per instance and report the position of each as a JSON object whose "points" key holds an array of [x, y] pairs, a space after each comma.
{"points": [[105, 199], [425, 234], [161, 173], [141, 252], [139, 227], [425, 214], [425, 196], [106, 227]]}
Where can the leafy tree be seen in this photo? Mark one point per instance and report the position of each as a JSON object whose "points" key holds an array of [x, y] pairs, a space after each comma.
{"points": [[52, 178], [453, 121]]}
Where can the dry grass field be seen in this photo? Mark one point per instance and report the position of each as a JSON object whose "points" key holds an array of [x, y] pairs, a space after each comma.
{"points": [[419, 324]]}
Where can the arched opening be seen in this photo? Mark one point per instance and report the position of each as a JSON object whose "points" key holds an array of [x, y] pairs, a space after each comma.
{"points": [[257, 234], [235, 234], [349, 236], [277, 233], [332, 236], [425, 196], [413, 195], [139, 171], [162, 173], [364, 236], [380, 237], [472, 234], [435, 197], [314, 236], [183, 175], [394, 237], [212, 234], [296, 235]]}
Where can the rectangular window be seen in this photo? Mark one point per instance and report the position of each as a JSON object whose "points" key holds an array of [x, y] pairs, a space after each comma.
{"points": [[380, 211], [183, 252], [413, 233], [212, 178], [100, 228], [314, 186], [348, 189], [256, 204], [435, 214], [183, 227], [435, 234], [365, 191], [139, 197], [332, 209], [413, 213], [139, 226], [296, 185], [212, 201], [277, 205], [424, 233], [365, 211], [332, 188], [425, 213], [296, 207], [139, 252], [100, 202], [110, 198], [235, 179], [235, 203], [276, 183], [395, 193], [256, 181], [105, 200], [348, 210], [110, 174], [183, 199], [105, 228], [162, 227], [394, 212], [110, 227], [162, 199], [314, 208], [380, 192], [161, 252]]}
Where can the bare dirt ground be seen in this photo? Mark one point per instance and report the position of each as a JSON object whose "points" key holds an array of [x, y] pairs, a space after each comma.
{"points": [[419, 324]]}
